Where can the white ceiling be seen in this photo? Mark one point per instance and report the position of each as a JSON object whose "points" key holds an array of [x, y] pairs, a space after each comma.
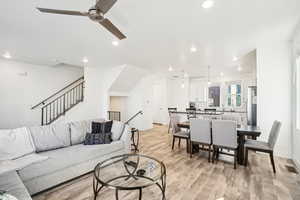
{"points": [[160, 32]]}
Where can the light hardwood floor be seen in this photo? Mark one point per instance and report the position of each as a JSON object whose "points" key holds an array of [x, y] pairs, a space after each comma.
{"points": [[196, 179]]}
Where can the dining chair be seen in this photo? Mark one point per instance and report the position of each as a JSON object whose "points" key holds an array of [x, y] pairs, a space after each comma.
{"points": [[191, 113], [170, 110], [265, 147], [200, 133], [178, 133], [224, 136]]}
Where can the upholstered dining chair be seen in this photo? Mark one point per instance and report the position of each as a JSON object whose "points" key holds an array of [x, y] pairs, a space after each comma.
{"points": [[170, 110], [200, 133], [265, 147], [178, 133], [224, 136]]}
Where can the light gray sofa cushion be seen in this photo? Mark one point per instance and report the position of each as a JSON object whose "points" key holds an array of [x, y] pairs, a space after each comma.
{"points": [[79, 129], [12, 183], [15, 143], [117, 130], [41, 183], [50, 137], [60, 159]]}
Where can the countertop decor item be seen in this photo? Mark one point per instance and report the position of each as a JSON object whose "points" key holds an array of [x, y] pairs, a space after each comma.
{"points": [[6, 196]]}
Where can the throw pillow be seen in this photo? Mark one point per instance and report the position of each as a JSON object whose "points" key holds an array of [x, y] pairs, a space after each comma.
{"points": [[117, 130], [101, 127], [97, 127], [108, 126], [97, 138], [78, 131]]}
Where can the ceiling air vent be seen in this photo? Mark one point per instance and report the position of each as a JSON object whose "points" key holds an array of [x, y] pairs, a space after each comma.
{"points": [[62, 64]]}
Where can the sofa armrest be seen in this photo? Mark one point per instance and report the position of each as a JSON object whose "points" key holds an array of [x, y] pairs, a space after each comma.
{"points": [[126, 139]]}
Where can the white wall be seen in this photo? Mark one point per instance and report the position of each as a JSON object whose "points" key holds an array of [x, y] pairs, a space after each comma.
{"points": [[98, 80], [274, 92], [22, 85], [141, 98], [127, 79], [178, 96], [295, 96], [97, 98], [296, 104]]}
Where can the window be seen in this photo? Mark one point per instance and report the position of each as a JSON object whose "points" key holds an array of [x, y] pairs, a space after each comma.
{"points": [[234, 95], [214, 96]]}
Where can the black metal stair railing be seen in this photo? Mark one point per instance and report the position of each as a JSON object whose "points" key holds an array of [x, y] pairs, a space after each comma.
{"points": [[60, 105], [61, 101], [114, 115]]}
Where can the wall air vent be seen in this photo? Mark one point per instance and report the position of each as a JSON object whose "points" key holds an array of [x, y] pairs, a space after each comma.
{"points": [[291, 169]]}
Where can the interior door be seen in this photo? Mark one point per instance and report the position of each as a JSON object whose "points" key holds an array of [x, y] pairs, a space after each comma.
{"points": [[158, 107]]}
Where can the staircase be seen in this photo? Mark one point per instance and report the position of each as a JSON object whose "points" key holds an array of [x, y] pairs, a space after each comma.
{"points": [[61, 102]]}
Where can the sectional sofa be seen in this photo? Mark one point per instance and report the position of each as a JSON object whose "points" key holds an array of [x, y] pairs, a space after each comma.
{"points": [[57, 155]]}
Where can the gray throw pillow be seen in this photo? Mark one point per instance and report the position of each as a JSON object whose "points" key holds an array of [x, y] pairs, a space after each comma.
{"points": [[78, 131], [97, 138]]}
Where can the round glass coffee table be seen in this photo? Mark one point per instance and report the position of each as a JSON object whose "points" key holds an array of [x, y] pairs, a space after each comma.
{"points": [[130, 172]]}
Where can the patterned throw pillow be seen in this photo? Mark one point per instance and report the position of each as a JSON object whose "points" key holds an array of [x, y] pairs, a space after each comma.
{"points": [[108, 126], [97, 138], [101, 127], [97, 127]]}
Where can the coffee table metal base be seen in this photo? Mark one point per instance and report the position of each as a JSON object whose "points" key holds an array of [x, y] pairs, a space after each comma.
{"points": [[97, 187]]}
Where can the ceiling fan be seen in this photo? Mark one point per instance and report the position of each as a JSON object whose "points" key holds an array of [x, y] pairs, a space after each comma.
{"points": [[95, 13]]}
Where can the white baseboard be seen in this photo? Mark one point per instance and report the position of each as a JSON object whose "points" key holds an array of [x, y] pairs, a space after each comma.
{"points": [[297, 163]]}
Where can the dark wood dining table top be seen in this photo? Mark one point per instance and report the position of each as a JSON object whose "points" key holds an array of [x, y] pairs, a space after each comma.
{"points": [[241, 130]]}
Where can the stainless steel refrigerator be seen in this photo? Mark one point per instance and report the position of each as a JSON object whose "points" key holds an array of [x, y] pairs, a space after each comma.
{"points": [[252, 106]]}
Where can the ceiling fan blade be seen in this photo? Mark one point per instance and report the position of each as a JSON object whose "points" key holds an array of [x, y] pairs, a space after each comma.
{"points": [[105, 5], [112, 28], [62, 12]]}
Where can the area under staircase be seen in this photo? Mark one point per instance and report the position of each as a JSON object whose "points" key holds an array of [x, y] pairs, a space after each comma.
{"points": [[59, 103]]}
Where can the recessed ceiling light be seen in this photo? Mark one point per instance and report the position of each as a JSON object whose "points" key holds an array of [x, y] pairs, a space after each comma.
{"points": [[221, 74], [193, 49], [208, 83], [6, 55], [208, 4], [234, 58], [115, 43], [170, 69], [239, 68], [182, 85], [85, 60]]}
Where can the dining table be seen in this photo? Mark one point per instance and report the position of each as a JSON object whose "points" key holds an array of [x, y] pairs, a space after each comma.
{"points": [[243, 132]]}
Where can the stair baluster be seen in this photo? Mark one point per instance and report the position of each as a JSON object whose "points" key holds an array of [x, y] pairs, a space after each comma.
{"points": [[58, 107]]}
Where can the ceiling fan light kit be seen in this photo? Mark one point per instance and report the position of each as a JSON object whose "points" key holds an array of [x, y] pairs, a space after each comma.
{"points": [[96, 14]]}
